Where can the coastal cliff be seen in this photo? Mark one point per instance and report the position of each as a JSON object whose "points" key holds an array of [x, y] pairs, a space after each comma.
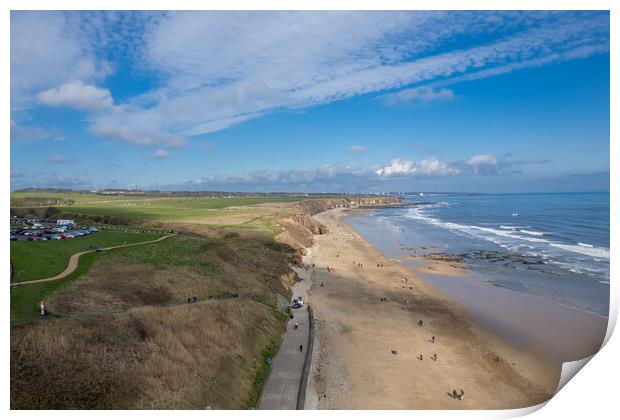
{"points": [[298, 230]]}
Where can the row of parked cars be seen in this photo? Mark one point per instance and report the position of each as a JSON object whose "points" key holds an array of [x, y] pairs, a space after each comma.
{"points": [[48, 233]]}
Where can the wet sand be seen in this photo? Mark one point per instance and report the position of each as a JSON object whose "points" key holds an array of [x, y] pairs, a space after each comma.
{"points": [[368, 341], [555, 331]]}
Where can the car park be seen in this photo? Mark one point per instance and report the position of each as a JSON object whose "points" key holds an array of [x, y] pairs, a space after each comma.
{"points": [[46, 230]]}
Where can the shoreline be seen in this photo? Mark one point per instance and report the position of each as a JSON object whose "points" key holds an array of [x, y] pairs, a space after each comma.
{"points": [[368, 341], [554, 329]]}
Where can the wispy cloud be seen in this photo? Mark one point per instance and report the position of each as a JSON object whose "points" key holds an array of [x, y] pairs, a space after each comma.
{"points": [[219, 69], [24, 133], [61, 159], [348, 178], [49, 49], [420, 94], [159, 154], [358, 149], [16, 174], [56, 158]]}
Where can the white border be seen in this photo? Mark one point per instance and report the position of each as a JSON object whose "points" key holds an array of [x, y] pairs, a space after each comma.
{"points": [[592, 395]]}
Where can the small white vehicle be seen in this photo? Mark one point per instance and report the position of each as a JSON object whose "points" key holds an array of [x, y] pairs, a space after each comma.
{"points": [[298, 303]]}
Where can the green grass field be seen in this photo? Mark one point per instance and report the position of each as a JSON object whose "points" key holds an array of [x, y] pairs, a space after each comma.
{"points": [[170, 252], [39, 259], [137, 209], [25, 299], [77, 197], [157, 202]]}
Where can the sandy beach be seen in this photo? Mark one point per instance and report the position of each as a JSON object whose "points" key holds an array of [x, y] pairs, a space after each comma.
{"points": [[371, 352]]}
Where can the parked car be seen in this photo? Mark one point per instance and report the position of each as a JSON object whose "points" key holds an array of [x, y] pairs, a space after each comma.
{"points": [[298, 303]]}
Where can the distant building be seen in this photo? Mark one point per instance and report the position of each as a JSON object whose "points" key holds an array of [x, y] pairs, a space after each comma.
{"points": [[64, 222]]}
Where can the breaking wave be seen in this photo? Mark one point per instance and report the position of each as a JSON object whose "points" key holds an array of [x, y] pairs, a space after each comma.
{"points": [[511, 236]]}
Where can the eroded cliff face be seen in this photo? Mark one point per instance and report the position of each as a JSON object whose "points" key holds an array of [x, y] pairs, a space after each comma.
{"points": [[300, 228]]}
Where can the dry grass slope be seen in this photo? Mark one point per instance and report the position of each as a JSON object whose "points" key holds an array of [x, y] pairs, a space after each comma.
{"points": [[185, 357]]}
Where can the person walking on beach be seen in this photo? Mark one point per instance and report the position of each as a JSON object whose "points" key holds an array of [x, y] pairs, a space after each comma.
{"points": [[458, 396], [433, 339]]}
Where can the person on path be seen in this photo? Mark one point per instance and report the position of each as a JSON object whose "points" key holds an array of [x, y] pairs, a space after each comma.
{"points": [[301, 348]]}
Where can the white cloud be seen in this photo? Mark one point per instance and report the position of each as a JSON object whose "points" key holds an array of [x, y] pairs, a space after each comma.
{"points": [[484, 159], [396, 166], [47, 50], [429, 167], [358, 149], [434, 166], [422, 94], [138, 129], [225, 68], [218, 69], [159, 154], [77, 95]]}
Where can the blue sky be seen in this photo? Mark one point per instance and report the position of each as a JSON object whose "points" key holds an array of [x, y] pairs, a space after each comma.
{"points": [[311, 102]]}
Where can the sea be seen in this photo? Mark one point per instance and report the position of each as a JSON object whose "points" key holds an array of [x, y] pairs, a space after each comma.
{"points": [[552, 248]]}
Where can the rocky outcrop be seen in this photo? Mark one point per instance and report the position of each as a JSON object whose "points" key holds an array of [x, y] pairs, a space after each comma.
{"points": [[299, 229]]}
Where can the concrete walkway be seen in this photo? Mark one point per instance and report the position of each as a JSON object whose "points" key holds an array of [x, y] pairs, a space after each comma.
{"points": [[282, 387]]}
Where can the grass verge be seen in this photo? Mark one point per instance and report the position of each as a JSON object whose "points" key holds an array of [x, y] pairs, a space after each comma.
{"points": [[261, 374]]}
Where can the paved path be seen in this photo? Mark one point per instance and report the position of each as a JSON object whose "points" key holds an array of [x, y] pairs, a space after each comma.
{"points": [[73, 261], [282, 387]]}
